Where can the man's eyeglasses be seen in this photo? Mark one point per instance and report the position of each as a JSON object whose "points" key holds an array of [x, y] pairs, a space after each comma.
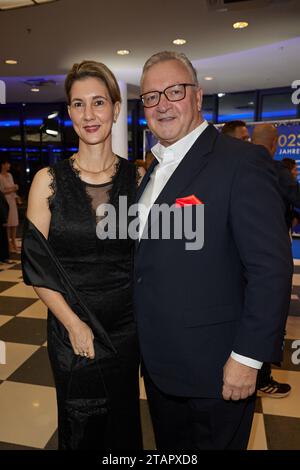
{"points": [[172, 93]]}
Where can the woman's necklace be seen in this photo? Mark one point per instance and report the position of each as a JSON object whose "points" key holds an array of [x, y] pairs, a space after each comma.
{"points": [[94, 172]]}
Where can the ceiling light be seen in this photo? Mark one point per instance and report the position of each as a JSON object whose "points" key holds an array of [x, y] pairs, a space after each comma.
{"points": [[123, 52], [50, 126], [220, 95], [240, 25], [11, 61], [34, 89], [51, 132], [11, 4], [179, 42], [208, 78], [251, 103], [53, 115]]}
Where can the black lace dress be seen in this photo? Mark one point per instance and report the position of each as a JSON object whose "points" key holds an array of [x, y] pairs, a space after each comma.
{"points": [[101, 272]]}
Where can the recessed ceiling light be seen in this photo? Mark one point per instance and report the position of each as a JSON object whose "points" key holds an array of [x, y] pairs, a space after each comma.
{"points": [[34, 89], [251, 103], [220, 95], [11, 61], [14, 4], [51, 132], [179, 41], [53, 115], [208, 78], [240, 25], [123, 52]]}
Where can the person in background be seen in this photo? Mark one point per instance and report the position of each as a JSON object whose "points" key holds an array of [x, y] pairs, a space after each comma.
{"points": [[9, 189], [204, 324], [292, 166], [92, 341], [149, 158], [4, 209], [266, 134], [237, 129]]}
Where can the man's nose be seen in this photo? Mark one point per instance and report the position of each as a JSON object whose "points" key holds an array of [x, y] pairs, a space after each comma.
{"points": [[164, 103]]}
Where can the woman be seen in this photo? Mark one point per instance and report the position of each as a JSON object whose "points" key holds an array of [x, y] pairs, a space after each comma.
{"points": [[4, 210], [9, 188], [92, 340]]}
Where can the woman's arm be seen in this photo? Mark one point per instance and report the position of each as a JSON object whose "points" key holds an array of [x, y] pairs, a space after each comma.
{"points": [[11, 189], [38, 212], [8, 189]]}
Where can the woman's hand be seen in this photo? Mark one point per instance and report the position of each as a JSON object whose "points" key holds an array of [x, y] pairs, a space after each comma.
{"points": [[82, 339]]}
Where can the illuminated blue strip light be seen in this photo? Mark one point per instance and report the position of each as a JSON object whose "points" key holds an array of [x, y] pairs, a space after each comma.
{"points": [[207, 116], [16, 123], [232, 117], [143, 122], [9, 123], [33, 122], [35, 149], [27, 122], [284, 113]]}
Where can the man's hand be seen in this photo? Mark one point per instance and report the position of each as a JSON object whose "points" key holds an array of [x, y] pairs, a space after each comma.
{"points": [[239, 381]]}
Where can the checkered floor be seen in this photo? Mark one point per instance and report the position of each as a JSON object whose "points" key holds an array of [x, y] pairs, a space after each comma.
{"points": [[27, 395]]}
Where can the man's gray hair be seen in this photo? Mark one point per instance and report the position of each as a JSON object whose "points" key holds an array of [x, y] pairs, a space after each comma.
{"points": [[170, 55]]}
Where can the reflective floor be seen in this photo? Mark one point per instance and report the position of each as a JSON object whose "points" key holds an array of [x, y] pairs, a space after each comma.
{"points": [[27, 396]]}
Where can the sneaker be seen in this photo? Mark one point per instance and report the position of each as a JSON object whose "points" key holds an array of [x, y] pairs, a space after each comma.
{"points": [[274, 390]]}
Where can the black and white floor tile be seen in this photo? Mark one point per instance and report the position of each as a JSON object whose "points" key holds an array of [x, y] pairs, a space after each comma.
{"points": [[27, 394]]}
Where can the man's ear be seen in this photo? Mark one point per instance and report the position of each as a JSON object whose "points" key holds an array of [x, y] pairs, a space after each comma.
{"points": [[199, 94]]}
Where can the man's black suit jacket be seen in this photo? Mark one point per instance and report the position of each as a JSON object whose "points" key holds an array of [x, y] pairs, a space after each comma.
{"points": [[194, 307]]}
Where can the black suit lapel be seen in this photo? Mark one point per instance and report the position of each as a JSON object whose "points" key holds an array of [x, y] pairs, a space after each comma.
{"points": [[190, 166]]}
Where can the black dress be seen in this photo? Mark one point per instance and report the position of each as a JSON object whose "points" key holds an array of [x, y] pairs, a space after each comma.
{"points": [[101, 273]]}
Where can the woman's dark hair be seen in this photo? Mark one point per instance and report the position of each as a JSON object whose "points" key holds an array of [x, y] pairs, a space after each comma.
{"points": [[4, 158]]}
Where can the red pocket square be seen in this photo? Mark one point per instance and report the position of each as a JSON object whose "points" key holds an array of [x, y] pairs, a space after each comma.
{"points": [[187, 201]]}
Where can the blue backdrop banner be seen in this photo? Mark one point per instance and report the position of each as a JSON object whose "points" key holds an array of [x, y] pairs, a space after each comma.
{"points": [[288, 142]]}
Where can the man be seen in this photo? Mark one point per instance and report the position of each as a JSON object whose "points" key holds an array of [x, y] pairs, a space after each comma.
{"points": [[236, 129], [267, 135], [208, 317]]}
